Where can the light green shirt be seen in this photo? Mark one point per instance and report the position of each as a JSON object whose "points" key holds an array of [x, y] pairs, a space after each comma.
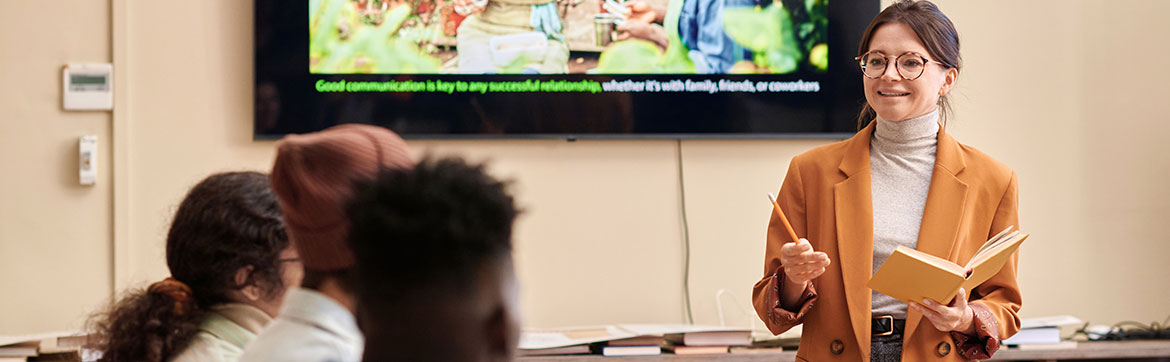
{"points": [[224, 333]]}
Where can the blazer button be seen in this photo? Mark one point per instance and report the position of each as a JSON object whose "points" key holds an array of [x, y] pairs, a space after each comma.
{"points": [[944, 349], [836, 347]]}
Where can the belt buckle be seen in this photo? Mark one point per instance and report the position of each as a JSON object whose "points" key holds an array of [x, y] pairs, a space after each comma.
{"points": [[891, 321]]}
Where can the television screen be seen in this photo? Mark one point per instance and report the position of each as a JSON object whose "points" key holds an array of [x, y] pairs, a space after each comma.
{"points": [[560, 68]]}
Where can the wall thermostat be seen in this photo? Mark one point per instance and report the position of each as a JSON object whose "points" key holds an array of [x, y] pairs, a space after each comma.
{"points": [[88, 87]]}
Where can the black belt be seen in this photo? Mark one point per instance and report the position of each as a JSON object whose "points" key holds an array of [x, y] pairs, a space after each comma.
{"points": [[887, 325]]}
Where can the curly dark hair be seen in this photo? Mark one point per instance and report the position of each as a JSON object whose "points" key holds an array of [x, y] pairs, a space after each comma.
{"points": [[226, 222], [428, 227]]}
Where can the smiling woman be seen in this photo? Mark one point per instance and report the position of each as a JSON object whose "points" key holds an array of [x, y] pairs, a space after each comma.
{"points": [[911, 87], [858, 200], [899, 33]]}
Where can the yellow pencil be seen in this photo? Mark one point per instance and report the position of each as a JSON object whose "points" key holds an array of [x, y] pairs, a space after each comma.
{"points": [[783, 219]]}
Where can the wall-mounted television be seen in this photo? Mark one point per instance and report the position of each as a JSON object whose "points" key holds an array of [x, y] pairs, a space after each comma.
{"points": [[560, 68]]}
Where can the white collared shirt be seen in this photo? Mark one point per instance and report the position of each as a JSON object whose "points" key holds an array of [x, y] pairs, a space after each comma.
{"points": [[310, 327]]}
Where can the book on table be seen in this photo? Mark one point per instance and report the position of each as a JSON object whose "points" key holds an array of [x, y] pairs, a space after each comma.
{"points": [[19, 350], [628, 350], [643, 339], [551, 351], [608, 340], [677, 349], [1038, 335], [695, 335], [1043, 331], [1047, 347], [42, 346], [538, 339], [910, 275]]}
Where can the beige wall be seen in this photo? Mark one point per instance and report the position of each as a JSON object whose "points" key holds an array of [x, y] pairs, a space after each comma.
{"points": [[1071, 94], [1067, 93], [54, 233]]}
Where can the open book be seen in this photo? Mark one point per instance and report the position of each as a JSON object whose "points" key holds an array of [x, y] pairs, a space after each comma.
{"points": [[911, 275]]}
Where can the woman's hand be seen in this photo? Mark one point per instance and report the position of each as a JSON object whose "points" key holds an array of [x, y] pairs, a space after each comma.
{"points": [[957, 316], [468, 7], [643, 30], [801, 263], [643, 11]]}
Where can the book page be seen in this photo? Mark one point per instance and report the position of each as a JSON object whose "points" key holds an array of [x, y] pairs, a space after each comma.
{"points": [[993, 261], [932, 260], [992, 248], [990, 242]]}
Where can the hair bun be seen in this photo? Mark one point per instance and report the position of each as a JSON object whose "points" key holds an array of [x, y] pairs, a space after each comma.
{"points": [[175, 290]]}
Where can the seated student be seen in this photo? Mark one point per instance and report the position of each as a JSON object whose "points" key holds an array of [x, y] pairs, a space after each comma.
{"points": [[230, 264], [313, 177], [434, 262]]}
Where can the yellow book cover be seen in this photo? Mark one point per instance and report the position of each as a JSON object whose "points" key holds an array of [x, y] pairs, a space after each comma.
{"points": [[911, 275]]}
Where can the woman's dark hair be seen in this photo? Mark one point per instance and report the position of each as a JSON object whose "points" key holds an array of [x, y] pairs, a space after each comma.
{"points": [[227, 222], [935, 31]]}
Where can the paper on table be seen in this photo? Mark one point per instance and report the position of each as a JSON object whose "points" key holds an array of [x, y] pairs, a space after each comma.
{"points": [[14, 339], [1049, 321], [561, 337], [660, 329]]}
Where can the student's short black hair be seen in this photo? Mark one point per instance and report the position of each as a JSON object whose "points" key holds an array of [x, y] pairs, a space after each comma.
{"points": [[428, 227]]}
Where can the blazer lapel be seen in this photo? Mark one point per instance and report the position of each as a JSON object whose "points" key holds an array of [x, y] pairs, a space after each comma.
{"points": [[943, 214], [853, 205]]}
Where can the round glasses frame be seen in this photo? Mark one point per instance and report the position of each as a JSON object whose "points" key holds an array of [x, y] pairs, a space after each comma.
{"points": [[897, 60]]}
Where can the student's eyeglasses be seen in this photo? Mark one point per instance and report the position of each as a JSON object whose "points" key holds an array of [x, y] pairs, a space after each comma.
{"points": [[910, 65]]}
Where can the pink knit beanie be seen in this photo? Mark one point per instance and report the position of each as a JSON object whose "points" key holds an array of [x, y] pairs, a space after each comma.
{"points": [[314, 176]]}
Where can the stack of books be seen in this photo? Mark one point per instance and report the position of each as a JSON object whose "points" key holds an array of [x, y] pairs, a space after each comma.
{"points": [[1042, 333], [712, 341], [19, 351], [569, 340], [53, 346], [640, 345]]}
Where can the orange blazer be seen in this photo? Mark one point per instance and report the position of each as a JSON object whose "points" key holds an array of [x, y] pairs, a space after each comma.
{"points": [[826, 196]]}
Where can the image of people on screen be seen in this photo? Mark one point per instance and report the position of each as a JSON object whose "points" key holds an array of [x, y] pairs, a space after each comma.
{"points": [[567, 36]]}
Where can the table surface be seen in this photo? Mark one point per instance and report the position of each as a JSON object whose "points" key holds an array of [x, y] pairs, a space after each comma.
{"points": [[1084, 350]]}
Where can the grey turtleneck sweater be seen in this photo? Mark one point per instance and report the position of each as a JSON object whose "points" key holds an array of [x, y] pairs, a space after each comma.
{"points": [[901, 160]]}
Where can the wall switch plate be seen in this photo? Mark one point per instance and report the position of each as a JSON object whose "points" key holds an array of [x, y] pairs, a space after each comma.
{"points": [[87, 167]]}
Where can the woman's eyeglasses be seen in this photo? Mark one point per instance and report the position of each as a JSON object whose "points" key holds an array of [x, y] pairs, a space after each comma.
{"points": [[910, 65]]}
